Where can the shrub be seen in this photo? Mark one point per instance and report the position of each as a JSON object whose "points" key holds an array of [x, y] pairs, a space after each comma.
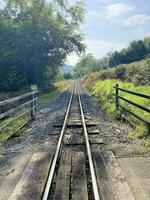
{"points": [[137, 72]]}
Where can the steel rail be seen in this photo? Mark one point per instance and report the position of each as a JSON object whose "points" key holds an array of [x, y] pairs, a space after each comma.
{"points": [[92, 170], [53, 166]]}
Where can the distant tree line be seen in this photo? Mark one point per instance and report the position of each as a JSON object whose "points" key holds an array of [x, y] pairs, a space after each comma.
{"points": [[137, 50], [35, 38]]}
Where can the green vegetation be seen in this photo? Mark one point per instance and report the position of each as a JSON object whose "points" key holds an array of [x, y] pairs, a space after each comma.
{"points": [[130, 68], [44, 98], [35, 39], [89, 64], [63, 84], [136, 72], [103, 90], [52, 96], [71, 74], [9, 130], [47, 97], [136, 51]]}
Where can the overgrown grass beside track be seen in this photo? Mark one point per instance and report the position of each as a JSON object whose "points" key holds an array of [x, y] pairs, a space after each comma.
{"points": [[44, 98], [9, 130], [103, 90], [53, 95]]}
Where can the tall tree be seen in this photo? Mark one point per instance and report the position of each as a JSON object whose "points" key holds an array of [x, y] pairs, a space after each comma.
{"points": [[36, 37]]}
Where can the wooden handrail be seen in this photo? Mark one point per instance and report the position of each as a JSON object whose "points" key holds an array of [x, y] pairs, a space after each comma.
{"points": [[12, 111], [143, 120], [17, 98], [134, 104], [134, 93], [19, 116], [118, 97]]}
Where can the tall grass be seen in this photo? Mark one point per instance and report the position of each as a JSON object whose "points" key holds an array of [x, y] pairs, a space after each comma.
{"points": [[103, 90], [54, 95], [44, 98], [10, 129]]}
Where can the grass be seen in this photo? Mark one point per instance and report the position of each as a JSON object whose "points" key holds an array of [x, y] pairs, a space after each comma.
{"points": [[44, 98], [63, 84], [47, 97], [54, 95], [103, 90], [136, 72], [9, 130]]}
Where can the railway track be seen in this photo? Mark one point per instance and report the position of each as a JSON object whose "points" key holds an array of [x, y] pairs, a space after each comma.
{"points": [[75, 168], [75, 98]]}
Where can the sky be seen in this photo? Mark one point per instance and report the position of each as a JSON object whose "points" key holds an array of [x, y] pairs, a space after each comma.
{"points": [[112, 24]]}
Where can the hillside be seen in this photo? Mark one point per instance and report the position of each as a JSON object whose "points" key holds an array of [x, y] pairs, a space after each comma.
{"points": [[67, 68], [134, 77], [136, 72]]}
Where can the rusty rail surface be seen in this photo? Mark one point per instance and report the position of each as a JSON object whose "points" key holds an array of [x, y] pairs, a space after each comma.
{"points": [[30, 103], [118, 105]]}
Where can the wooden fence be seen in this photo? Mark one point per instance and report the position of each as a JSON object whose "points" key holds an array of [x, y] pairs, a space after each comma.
{"points": [[18, 105], [118, 105]]}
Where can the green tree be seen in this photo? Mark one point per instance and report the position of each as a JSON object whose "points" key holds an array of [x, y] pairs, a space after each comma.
{"points": [[36, 37], [89, 64], [147, 44]]}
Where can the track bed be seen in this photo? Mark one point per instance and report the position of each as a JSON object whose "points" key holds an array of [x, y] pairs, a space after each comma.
{"points": [[36, 175]]}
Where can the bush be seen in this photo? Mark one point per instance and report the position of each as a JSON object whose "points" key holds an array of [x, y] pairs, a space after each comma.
{"points": [[137, 72]]}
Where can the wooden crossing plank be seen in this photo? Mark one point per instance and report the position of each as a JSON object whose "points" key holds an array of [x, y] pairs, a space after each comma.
{"points": [[119, 181], [93, 131], [32, 181], [96, 141], [138, 177], [62, 189], [79, 187], [11, 167], [105, 186]]}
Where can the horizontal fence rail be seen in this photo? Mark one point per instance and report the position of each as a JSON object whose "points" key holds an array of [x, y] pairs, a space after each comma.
{"points": [[17, 98], [118, 105], [131, 92], [29, 101]]}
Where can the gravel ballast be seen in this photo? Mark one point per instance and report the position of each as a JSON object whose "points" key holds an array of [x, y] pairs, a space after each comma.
{"points": [[41, 135]]}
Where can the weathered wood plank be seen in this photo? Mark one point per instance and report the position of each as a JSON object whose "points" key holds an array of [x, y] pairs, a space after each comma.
{"points": [[79, 187], [93, 131], [119, 181], [17, 98], [62, 190], [106, 189], [11, 167], [32, 181], [136, 171], [14, 110], [96, 141]]}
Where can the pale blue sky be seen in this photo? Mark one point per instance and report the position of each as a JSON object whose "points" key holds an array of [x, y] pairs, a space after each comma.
{"points": [[112, 24]]}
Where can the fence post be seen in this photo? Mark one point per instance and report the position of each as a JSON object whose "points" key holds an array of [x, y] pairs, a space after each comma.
{"points": [[32, 105], [35, 106], [117, 99]]}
